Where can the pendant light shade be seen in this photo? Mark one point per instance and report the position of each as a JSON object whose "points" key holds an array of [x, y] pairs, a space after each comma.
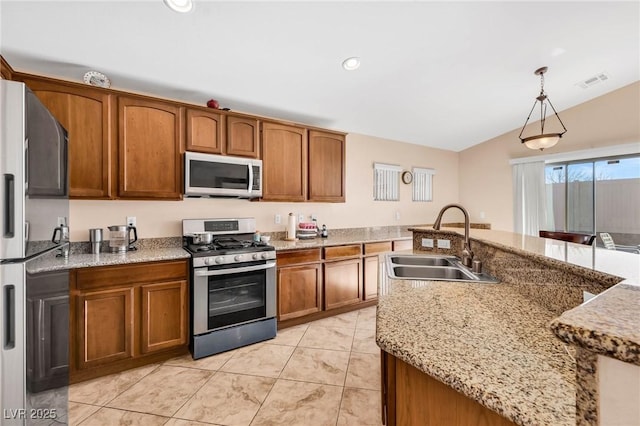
{"points": [[543, 140]]}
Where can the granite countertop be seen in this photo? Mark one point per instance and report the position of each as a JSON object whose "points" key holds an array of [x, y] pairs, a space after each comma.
{"points": [[608, 324], [494, 345], [339, 237], [484, 340], [50, 262]]}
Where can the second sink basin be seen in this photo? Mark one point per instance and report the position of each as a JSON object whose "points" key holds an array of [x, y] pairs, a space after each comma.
{"points": [[423, 260], [441, 273]]}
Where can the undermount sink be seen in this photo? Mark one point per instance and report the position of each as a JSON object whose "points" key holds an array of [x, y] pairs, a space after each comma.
{"points": [[423, 260], [439, 273], [432, 268]]}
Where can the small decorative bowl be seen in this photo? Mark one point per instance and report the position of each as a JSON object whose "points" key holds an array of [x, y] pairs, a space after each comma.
{"points": [[265, 239]]}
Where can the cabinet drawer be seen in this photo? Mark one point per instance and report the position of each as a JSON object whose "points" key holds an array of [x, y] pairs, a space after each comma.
{"points": [[381, 247], [108, 276], [402, 245], [342, 251], [298, 256]]}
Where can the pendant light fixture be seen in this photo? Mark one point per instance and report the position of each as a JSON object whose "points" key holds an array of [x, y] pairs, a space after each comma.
{"points": [[543, 140]]}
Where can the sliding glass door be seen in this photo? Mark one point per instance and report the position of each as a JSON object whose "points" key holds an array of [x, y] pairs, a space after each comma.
{"points": [[596, 196]]}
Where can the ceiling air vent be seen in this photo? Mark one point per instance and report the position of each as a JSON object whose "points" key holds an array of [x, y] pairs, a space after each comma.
{"points": [[591, 81]]}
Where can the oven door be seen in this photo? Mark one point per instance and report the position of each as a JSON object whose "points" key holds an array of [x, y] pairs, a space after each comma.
{"points": [[232, 295]]}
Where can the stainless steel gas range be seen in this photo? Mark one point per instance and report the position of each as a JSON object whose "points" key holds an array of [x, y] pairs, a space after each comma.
{"points": [[233, 285]]}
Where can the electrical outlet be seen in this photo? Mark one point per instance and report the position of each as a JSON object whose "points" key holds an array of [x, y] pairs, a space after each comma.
{"points": [[314, 216], [62, 221], [277, 219], [131, 221], [427, 242], [300, 217], [444, 244], [482, 215], [398, 215]]}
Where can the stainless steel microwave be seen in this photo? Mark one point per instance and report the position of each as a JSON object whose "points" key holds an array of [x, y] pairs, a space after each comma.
{"points": [[208, 175]]}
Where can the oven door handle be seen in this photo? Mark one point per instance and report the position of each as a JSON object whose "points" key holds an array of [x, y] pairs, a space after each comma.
{"points": [[207, 273]]}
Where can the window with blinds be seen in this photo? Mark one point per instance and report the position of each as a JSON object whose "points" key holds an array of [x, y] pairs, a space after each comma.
{"points": [[386, 182], [423, 184]]}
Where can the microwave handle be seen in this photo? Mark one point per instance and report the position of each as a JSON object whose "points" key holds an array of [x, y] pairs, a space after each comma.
{"points": [[250, 188]]}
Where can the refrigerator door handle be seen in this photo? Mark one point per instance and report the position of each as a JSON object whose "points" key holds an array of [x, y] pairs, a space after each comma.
{"points": [[9, 206], [9, 340]]}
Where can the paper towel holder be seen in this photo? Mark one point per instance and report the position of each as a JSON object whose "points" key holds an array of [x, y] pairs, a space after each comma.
{"points": [[291, 228]]}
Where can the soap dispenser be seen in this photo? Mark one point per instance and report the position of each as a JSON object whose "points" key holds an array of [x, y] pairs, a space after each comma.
{"points": [[324, 233]]}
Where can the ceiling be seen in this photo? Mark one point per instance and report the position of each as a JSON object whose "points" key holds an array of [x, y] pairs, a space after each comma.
{"points": [[442, 74]]}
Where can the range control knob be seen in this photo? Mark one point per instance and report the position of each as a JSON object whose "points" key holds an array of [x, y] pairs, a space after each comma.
{"points": [[207, 261], [237, 257], [264, 255], [218, 260], [255, 256]]}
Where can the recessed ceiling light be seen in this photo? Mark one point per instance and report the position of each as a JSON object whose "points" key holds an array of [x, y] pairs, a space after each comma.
{"points": [[182, 6], [352, 63]]}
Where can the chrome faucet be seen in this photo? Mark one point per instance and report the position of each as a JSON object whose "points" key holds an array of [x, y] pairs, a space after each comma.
{"points": [[467, 254]]}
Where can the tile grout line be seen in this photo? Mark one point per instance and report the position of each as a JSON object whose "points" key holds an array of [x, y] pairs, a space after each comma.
{"points": [[215, 373]]}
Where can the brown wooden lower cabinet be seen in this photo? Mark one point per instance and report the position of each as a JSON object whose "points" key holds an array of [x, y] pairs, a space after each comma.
{"points": [[342, 283], [125, 316], [105, 327], [413, 398], [164, 307], [299, 291], [370, 277]]}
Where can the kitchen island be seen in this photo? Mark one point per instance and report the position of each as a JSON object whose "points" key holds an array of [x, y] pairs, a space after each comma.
{"points": [[497, 344]]}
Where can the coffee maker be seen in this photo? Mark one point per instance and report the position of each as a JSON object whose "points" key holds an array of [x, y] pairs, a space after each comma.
{"points": [[120, 238]]}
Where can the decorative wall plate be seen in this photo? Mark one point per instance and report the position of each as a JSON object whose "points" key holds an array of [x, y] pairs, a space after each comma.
{"points": [[98, 79]]}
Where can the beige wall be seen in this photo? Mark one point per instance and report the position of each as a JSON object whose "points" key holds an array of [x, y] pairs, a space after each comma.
{"points": [[163, 218], [485, 173]]}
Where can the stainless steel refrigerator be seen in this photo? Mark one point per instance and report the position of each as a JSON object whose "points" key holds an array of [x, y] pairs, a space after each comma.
{"points": [[34, 197]]}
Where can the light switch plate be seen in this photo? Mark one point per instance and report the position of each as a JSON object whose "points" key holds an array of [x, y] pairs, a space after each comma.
{"points": [[427, 242], [446, 244]]}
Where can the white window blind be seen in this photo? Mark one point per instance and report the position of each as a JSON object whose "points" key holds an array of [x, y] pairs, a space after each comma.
{"points": [[423, 184], [386, 182]]}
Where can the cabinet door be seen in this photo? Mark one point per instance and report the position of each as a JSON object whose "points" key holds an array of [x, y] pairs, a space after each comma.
{"points": [[342, 283], [164, 315], [87, 116], [47, 330], [205, 131], [326, 166], [242, 136], [299, 291], [370, 277], [284, 162], [150, 143], [104, 327]]}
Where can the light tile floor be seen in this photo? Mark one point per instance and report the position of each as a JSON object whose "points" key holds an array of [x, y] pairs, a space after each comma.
{"points": [[323, 373]]}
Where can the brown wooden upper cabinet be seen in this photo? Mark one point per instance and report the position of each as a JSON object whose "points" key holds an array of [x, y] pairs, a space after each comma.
{"points": [[243, 136], [326, 166], [284, 162], [205, 131], [216, 133], [150, 144], [86, 114]]}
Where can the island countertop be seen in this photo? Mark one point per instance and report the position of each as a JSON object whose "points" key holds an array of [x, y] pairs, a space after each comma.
{"points": [[483, 340], [491, 343]]}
